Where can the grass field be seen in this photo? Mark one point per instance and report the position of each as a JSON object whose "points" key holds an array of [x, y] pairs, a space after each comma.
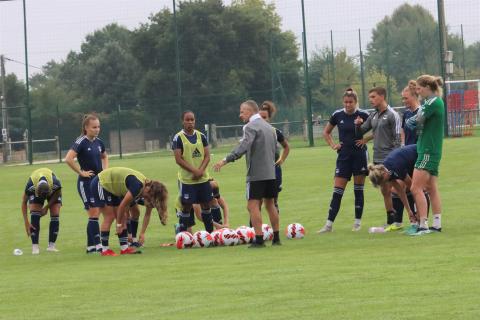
{"points": [[342, 275]]}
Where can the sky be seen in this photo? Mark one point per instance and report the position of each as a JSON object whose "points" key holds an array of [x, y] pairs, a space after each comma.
{"points": [[55, 27]]}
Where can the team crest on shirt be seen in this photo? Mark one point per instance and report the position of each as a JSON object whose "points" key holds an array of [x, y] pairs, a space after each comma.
{"points": [[196, 153], [186, 196], [89, 149]]}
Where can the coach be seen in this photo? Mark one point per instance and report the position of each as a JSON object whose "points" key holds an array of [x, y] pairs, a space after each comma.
{"points": [[258, 143]]}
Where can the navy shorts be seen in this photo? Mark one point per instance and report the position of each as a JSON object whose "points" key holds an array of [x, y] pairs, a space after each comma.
{"points": [[354, 163], [278, 178], [99, 197], [257, 190], [32, 198], [196, 193], [83, 188]]}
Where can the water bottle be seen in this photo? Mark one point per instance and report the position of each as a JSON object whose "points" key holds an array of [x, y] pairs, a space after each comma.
{"points": [[376, 230]]}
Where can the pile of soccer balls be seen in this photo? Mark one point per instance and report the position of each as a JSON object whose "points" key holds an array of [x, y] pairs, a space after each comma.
{"points": [[231, 237]]}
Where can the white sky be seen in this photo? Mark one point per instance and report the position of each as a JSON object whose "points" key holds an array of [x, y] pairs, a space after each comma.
{"points": [[57, 26]]}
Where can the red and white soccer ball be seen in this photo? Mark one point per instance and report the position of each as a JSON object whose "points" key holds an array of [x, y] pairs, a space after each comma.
{"points": [[245, 235], [184, 240], [202, 239], [217, 237], [267, 232], [295, 231], [229, 237]]}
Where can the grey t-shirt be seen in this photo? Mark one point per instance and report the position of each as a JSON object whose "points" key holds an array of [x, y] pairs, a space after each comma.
{"points": [[386, 127]]}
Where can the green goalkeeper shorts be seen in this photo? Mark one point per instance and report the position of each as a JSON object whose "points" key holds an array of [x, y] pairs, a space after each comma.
{"points": [[428, 162]]}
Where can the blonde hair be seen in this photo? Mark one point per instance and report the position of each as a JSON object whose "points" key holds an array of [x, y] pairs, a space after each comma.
{"points": [[412, 88], [433, 83], [158, 196], [252, 105], [86, 120], [376, 174], [269, 106]]}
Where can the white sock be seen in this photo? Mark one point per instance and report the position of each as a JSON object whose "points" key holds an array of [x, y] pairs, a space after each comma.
{"points": [[329, 223], [437, 220], [124, 247], [35, 246], [51, 244], [134, 240], [423, 223], [97, 247], [358, 221]]}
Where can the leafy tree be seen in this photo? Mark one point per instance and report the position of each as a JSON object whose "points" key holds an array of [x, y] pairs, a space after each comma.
{"points": [[326, 96]]}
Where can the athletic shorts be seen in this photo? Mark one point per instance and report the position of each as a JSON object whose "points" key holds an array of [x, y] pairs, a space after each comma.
{"points": [[83, 188], [257, 190], [32, 198], [355, 163], [278, 178], [428, 162], [196, 193], [99, 197]]}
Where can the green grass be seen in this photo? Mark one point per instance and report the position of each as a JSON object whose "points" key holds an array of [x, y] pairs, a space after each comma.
{"points": [[342, 275]]}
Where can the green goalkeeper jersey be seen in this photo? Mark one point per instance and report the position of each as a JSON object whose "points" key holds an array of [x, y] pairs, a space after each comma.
{"points": [[432, 119]]}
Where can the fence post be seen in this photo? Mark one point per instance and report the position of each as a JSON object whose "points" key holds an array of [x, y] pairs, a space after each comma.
{"points": [[58, 136], [119, 133], [362, 70], [463, 53], [308, 94], [387, 66], [213, 135], [334, 96]]}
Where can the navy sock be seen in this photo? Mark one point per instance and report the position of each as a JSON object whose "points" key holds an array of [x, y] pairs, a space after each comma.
{"points": [[207, 220], [129, 226], [123, 238], [53, 229], [359, 200], [35, 222], [390, 217], [93, 232], [275, 201], [335, 203], [217, 215], [105, 236], [133, 227], [276, 236], [259, 239], [398, 207], [411, 203], [90, 242], [183, 220]]}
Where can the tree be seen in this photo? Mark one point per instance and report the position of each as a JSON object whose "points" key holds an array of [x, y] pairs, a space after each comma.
{"points": [[326, 96], [404, 44], [224, 59]]}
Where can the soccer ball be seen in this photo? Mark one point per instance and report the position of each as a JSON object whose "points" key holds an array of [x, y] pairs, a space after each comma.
{"points": [[202, 239], [245, 235], [184, 240], [17, 252], [295, 231], [267, 232], [229, 237], [217, 237]]}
